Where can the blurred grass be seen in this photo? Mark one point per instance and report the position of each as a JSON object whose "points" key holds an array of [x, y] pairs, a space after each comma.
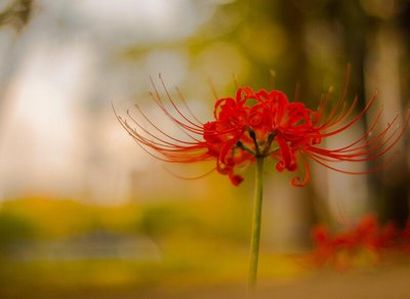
{"points": [[202, 253], [199, 246], [49, 218]]}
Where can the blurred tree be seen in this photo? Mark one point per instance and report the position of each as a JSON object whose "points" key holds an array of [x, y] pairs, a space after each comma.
{"points": [[17, 14]]}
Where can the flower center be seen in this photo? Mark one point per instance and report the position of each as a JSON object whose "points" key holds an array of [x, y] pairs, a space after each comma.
{"points": [[261, 149]]}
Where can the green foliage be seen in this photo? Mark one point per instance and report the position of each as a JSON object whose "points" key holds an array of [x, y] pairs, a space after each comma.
{"points": [[48, 219], [162, 219], [13, 228]]}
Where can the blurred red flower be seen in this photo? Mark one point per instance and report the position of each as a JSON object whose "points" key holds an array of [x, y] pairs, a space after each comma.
{"points": [[367, 236], [329, 247]]}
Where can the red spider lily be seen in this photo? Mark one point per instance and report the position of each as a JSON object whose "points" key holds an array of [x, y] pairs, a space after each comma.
{"points": [[262, 124], [367, 236]]}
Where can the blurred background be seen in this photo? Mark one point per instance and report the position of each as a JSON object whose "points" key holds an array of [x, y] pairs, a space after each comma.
{"points": [[84, 212]]}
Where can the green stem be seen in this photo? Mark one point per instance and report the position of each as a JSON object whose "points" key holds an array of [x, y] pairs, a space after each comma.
{"points": [[256, 223]]}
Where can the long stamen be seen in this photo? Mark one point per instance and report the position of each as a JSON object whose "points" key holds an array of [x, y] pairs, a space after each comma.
{"points": [[184, 102], [155, 127], [354, 120], [174, 105]]}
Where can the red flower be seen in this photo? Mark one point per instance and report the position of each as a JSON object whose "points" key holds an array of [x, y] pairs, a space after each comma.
{"points": [[368, 235], [262, 124], [324, 247]]}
